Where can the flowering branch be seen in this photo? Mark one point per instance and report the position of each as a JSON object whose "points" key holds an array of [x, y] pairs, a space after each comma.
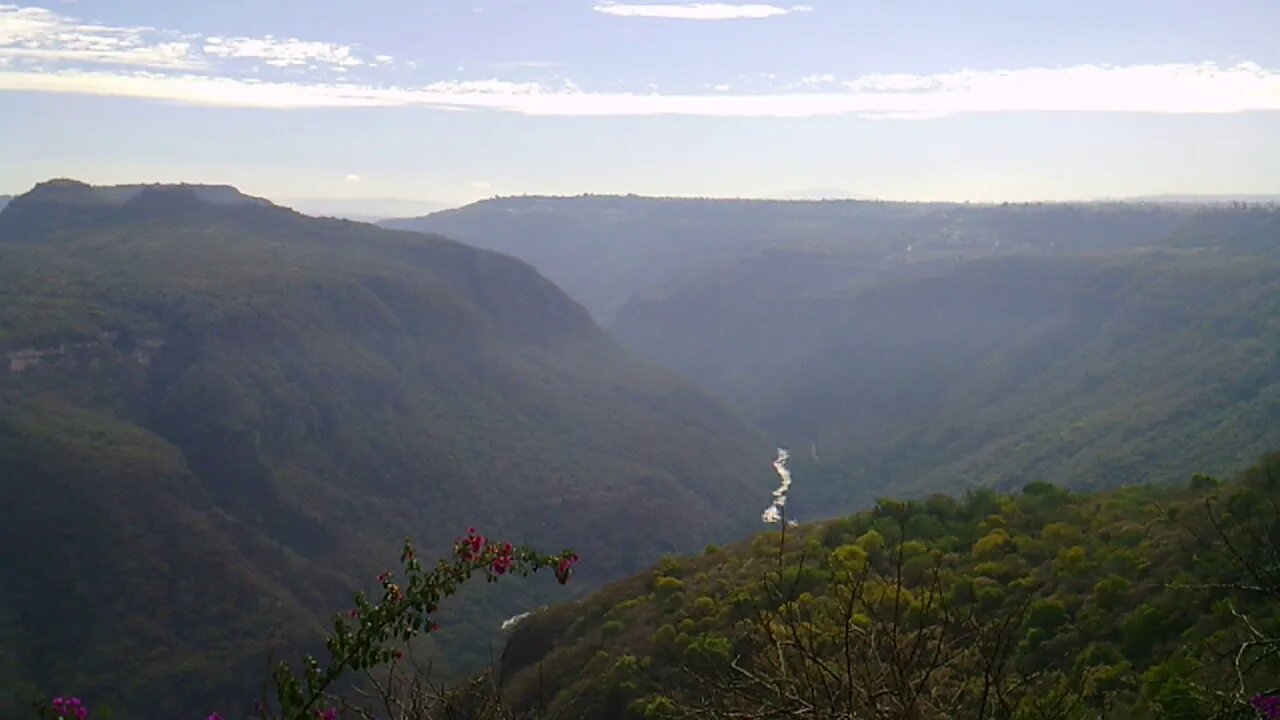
{"points": [[367, 635]]}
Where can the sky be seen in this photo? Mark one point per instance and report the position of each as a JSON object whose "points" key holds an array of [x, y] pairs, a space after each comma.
{"points": [[449, 101]]}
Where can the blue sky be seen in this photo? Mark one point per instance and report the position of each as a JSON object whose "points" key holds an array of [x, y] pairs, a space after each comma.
{"points": [[454, 101]]}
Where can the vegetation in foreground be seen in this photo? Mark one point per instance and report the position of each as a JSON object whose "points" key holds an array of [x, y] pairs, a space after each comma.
{"points": [[1155, 602], [1141, 602], [372, 639]]}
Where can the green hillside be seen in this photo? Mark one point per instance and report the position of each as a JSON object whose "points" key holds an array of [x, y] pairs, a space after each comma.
{"points": [[1093, 369], [904, 348], [1144, 602], [218, 416]]}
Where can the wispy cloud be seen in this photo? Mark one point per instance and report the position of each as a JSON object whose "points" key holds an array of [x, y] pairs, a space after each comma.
{"points": [[44, 51], [283, 53], [1166, 88], [817, 80], [39, 34], [353, 178], [523, 65], [700, 11]]}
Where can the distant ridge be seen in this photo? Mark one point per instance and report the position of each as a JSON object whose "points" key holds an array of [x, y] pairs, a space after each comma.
{"points": [[1206, 199], [363, 209], [605, 249], [74, 192]]}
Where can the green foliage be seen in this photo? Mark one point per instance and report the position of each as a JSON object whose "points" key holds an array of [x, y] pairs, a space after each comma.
{"points": [[935, 347], [991, 544], [665, 585], [227, 412], [1133, 629], [371, 634], [1109, 593]]}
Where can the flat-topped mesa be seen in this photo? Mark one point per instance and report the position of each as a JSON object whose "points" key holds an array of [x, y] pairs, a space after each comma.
{"points": [[64, 208], [65, 191]]}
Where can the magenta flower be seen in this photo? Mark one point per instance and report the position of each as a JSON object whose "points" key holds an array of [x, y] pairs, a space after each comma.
{"points": [[1268, 706], [69, 708]]}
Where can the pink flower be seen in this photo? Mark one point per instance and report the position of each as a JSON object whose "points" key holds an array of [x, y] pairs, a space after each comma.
{"points": [[502, 562], [565, 569], [69, 708], [470, 547]]}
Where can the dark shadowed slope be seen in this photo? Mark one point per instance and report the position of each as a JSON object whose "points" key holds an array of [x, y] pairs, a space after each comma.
{"points": [[217, 416]]}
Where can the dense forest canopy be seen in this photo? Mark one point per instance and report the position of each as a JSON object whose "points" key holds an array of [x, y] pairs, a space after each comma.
{"points": [[1149, 601]]}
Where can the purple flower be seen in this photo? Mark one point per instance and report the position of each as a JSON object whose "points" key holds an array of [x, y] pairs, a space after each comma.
{"points": [[1268, 706], [68, 708], [327, 714], [214, 716]]}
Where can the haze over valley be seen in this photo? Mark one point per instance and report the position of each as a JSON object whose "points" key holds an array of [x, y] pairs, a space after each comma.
{"points": [[642, 361]]}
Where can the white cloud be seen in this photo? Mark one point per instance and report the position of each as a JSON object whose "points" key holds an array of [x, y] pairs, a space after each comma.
{"points": [[699, 11], [40, 34], [812, 80], [283, 53], [480, 185], [523, 65], [353, 178], [1169, 88], [483, 88]]}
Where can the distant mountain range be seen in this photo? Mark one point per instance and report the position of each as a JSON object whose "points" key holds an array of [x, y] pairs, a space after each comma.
{"points": [[218, 416], [605, 250]]}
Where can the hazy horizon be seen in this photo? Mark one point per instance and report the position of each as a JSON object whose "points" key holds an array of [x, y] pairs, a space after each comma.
{"points": [[451, 104], [379, 208]]}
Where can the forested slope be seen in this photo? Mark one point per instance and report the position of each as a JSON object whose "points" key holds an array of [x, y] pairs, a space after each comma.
{"points": [[217, 417], [1153, 601]]}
